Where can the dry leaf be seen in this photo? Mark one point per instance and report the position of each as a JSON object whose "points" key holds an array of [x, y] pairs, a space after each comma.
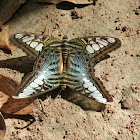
{"points": [[73, 1], [7, 103], [26, 110], [18, 106], [6, 88], [4, 41], [2, 127], [7, 85], [8, 8], [3, 98]]}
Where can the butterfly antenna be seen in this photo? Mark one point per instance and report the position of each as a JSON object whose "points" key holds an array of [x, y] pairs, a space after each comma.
{"points": [[55, 23], [72, 26], [58, 26]]}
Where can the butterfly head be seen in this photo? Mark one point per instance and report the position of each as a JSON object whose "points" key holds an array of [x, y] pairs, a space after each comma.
{"points": [[64, 42], [65, 37]]}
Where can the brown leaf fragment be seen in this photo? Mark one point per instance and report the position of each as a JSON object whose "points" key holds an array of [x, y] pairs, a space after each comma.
{"points": [[27, 110], [8, 8], [4, 41], [8, 104], [73, 1], [18, 106], [3, 98], [7, 85], [2, 127]]}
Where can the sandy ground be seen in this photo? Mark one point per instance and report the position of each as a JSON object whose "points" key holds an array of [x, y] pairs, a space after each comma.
{"points": [[119, 74]]}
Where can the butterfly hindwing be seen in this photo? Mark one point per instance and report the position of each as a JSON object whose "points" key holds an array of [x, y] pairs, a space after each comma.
{"points": [[31, 85], [44, 76], [81, 78], [93, 88]]}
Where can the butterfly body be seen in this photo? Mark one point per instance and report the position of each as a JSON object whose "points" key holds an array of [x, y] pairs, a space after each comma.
{"points": [[65, 63]]}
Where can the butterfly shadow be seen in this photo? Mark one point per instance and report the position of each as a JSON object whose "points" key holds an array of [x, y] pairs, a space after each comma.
{"points": [[74, 97], [22, 64], [81, 100], [27, 118]]}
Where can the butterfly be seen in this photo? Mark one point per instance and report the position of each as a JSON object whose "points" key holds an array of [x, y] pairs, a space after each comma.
{"points": [[63, 63]]}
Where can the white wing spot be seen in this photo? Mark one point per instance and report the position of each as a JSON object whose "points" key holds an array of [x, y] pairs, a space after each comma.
{"points": [[89, 39], [90, 49], [101, 100], [92, 42], [92, 89], [41, 77], [89, 84], [42, 90], [86, 80], [22, 95], [40, 36], [38, 88], [95, 95], [83, 92], [28, 90], [29, 87], [28, 42], [27, 93], [33, 44], [97, 92], [28, 38], [34, 85], [111, 39], [87, 91], [38, 81], [103, 42], [25, 37], [39, 47], [95, 47], [19, 36], [101, 46]]}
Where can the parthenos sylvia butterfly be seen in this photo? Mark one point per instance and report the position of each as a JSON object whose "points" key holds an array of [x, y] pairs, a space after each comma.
{"points": [[64, 64]]}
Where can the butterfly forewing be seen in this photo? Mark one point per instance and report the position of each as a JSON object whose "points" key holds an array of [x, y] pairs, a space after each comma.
{"points": [[31, 44], [97, 47]]}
